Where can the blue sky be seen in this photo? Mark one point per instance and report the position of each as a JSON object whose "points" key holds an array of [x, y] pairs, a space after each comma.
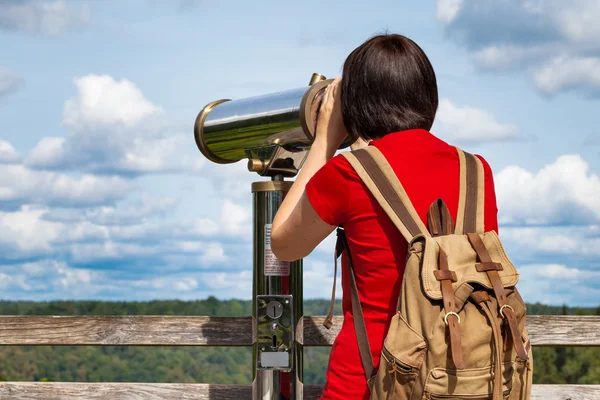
{"points": [[103, 194]]}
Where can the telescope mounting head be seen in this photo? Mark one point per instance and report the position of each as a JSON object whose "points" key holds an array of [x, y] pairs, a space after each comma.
{"points": [[276, 160]]}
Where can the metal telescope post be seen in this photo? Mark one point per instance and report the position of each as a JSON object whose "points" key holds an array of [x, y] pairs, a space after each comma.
{"points": [[274, 132], [277, 305], [277, 285]]}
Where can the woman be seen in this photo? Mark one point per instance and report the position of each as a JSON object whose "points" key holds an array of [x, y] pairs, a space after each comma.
{"points": [[387, 98]]}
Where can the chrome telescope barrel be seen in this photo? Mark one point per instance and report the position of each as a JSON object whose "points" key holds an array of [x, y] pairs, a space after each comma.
{"points": [[225, 129]]}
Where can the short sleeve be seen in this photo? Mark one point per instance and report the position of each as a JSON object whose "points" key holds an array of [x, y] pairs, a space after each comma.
{"points": [[328, 192], [490, 206]]}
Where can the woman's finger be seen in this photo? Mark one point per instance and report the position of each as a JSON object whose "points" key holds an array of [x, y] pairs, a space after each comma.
{"points": [[332, 92], [325, 98], [329, 99], [336, 90]]}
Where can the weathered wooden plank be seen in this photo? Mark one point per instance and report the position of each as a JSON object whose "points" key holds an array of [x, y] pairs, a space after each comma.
{"points": [[565, 392], [568, 330], [126, 330], [121, 391], [545, 330], [172, 391], [538, 392], [233, 331]]}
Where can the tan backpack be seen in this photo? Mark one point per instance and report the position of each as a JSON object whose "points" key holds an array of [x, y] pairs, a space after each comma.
{"points": [[460, 317]]}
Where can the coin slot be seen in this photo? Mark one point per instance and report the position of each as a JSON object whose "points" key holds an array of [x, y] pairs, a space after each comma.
{"points": [[274, 341], [274, 309]]}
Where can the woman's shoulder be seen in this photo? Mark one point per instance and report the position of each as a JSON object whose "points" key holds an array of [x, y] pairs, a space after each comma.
{"points": [[486, 165], [340, 166], [335, 176]]}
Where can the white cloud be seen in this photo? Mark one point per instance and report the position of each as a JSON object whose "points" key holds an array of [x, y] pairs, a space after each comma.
{"points": [[20, 184], [49, 17], [205, 227], [146, 235], [559, 41], [578, 21], [88, 253], [114, 129], [27, 233], [71, 278], [48, 279], [213, 253], [564, 192], [177, 286], [130, 212], [51, 280], [556, 271], [235, 219], [24, 233], [550, 21], [553, 284], [232, 181], [497, 57], [153, 243], [9, 81], [48, 151], [327, 246], [223, 284], [48, 275], [550, 228], [232, 284], [469, 124], [447, 10], [102, 100], [566, 243], [8, 154], [318, 280], [186, 284], [567, 73]]}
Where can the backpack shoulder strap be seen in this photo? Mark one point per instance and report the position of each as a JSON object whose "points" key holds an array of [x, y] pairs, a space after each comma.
{"points": [[470, 215], [379, 177], [360, 329]]}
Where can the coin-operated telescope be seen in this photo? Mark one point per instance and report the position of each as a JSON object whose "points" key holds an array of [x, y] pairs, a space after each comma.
{"points": [[274, 133]]}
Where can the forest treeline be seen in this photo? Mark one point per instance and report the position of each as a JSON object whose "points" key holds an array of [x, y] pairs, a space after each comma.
{"points": [[216, 364]]}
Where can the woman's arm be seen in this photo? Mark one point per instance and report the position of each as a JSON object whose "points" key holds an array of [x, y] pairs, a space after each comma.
{"points": [[297, 228]]}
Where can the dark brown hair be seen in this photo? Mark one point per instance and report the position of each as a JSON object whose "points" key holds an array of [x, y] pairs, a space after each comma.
{"points": [[388, 85]]}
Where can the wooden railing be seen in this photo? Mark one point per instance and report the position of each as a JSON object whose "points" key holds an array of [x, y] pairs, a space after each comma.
{"points": [[225, 331]]}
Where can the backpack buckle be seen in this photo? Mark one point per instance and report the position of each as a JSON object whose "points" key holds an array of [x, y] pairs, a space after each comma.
{"points": [[451, 313], [502, 310]]}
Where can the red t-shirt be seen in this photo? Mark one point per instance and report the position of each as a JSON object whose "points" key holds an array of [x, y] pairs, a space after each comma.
{"points": [[428, 168]]}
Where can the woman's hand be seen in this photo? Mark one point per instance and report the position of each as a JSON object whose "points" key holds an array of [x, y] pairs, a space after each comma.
{"points": [[297, 228], [331, 131]]}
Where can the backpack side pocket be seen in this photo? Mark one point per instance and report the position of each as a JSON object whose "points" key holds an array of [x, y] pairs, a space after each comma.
{"points": [[402, 357]]}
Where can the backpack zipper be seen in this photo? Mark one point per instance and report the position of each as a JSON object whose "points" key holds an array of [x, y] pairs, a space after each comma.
{"points": [[396, 365], [429, 396]]}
